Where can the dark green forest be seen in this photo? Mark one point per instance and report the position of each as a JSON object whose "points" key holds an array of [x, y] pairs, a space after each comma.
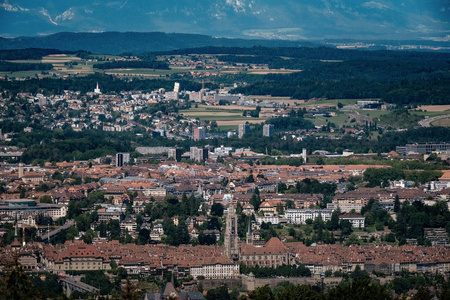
{"points": [[150, 64], [29, 53], [14, 67]]}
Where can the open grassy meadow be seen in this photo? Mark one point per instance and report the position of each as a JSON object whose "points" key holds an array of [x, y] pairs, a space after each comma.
{"points": [[442, 122], [223, 116]]}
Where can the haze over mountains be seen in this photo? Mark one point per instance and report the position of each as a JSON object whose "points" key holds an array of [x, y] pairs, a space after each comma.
{"points": [[288, 19], [136, 42]]}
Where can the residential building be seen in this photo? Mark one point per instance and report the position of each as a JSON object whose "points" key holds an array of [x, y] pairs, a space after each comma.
{"points": [[175, 153], [122, 159], [243, 129], [268, 130], [354, 219], [199, 154], [299, 216], [199, 133]]}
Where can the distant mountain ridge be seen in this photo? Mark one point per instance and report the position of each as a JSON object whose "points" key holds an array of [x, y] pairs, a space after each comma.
{"points": [[270, 19], [136, 42]]}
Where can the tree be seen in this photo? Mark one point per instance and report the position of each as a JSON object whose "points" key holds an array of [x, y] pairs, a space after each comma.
{"points": [[114, 228], [300, 292], [183, 232], [361, 289], [396, 204], [359, 274], [217, 209], [130, 292], [262, 293], [250, 178], [352, 240], [45, 199], [333, 223], [220, 293], [17, 284], [255, 201]]}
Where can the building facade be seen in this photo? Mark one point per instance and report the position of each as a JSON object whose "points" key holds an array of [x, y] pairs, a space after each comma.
{"points": [[199, 133], [268, 130], [299, 216], [243, 129], [122, 159]]}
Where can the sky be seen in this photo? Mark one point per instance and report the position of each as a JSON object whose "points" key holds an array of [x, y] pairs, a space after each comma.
{"points": [[273, 19]]}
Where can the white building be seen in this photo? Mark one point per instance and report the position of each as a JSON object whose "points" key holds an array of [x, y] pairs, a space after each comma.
{"points": [[354, 219], [215, 268], [27, 207], [243, 129], [299, 216], [268, 130]]}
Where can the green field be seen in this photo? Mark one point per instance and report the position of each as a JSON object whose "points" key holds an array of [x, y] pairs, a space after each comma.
{"points": [[226, 128], [331, 102], [340, 119], [442, 122], [430, 113], [144, 72], [227, 119], [372, 113], [23, 74]]}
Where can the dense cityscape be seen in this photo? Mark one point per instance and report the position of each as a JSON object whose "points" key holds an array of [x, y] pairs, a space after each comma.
{"points": [[235, 171]]}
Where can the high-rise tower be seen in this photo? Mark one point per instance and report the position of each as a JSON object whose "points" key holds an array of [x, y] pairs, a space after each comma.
{"points": [[231, 241]]}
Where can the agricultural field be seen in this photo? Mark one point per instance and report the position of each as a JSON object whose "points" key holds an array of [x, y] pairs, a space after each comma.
{"points": [[434, 108], [442, 122], [374, 114], [340, 119], [270, 71], [224, 116], [143, 72], [431, 113], [59, 58]]}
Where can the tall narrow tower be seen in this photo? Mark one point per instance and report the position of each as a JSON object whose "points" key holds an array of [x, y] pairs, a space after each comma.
{"points": [[231, 242], [20, 170], [249, 237]]}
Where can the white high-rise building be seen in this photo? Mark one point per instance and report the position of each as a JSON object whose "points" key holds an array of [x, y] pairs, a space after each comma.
{"points": [[122, 159], [243, 129], [268, 130], [176, 90]]}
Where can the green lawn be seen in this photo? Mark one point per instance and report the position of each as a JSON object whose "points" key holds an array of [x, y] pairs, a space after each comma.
{"points": [[23, 74], [151, 72], [372, 113], [340, 119], [430, 113], [226, 128]]}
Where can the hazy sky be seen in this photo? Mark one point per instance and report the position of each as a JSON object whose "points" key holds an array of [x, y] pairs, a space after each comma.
{"points": [[289, 19]]}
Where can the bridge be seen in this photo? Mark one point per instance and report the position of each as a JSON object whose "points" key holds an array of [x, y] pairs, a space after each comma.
{"points": [[71, 285], [49, 236]]}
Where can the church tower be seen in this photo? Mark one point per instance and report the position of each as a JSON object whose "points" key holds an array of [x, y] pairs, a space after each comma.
{"points": [[231, 241], [249, 237], [97, 90]]}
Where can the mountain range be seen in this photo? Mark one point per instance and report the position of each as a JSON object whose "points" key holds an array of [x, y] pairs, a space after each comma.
{"points": [[272, 19], [136, 42]]}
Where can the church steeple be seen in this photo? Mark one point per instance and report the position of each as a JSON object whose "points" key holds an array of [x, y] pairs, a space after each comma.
{"points": [[249, 237], [97, 90]]}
